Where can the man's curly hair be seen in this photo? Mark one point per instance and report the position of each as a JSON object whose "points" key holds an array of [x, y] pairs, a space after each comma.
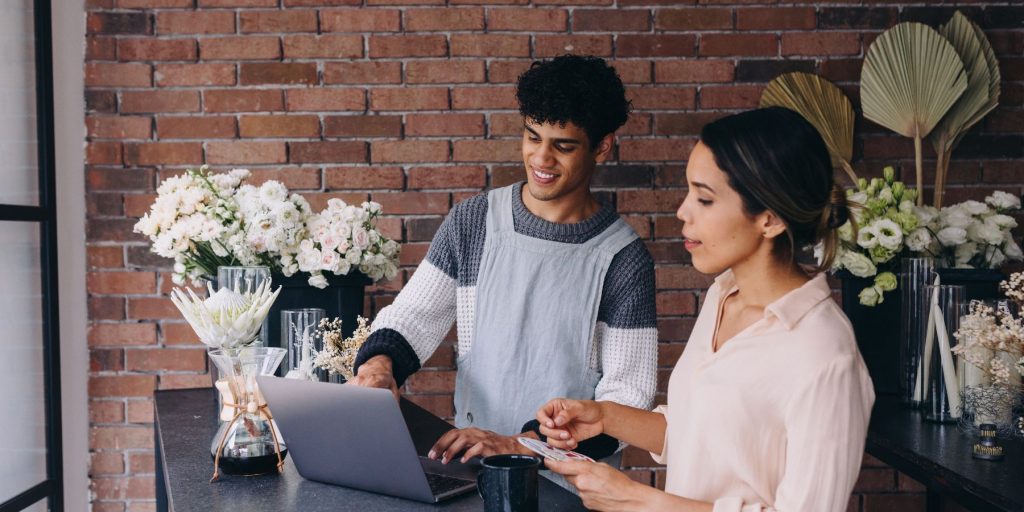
{"points": [[583, 90]]}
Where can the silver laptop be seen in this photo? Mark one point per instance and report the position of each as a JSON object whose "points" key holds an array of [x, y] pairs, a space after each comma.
{"points": [[357, 437]]}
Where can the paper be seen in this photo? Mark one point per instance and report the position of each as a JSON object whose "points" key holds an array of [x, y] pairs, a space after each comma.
{"points": [[546, 450]]}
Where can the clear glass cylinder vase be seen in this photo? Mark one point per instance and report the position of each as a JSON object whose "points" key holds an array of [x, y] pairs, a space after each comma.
{"points": [[987, 400], [245, 279], [941, 400], [915, 274], [299, 334], [247, 443]]}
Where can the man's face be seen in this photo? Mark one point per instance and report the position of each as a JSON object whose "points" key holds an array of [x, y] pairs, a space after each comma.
{"points": [[559, 159]]}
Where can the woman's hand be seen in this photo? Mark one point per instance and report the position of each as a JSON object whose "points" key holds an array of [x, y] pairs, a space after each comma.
{"points": [[567, 422], [602, 487]]}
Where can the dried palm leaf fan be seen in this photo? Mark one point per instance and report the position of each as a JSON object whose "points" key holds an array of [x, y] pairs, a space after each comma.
{"points": [[911, 77], [981, 96], [822, 104]]}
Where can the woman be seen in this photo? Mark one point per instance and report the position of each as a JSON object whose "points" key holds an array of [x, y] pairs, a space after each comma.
{"points": [[768, 406]]}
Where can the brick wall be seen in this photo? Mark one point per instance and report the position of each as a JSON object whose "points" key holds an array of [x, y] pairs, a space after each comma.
{"points": [[411, 103]]}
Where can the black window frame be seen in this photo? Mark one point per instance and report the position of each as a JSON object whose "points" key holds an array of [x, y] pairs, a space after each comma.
{"points": [[52, 488]]}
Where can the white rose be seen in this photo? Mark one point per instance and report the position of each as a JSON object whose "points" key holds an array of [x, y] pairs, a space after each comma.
{"points": [[329, 260], [870, 296], [354, 256], [343, 247], [318, 280], [890, 235], [343, 267], [919, 240], [1003, 201], [335, 204], [867, 237], [390, 271], [858, 264], [974, 207], [952, 236], [360, 238]]}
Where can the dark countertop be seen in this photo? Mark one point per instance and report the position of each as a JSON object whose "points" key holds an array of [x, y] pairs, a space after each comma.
{"points": [[939, 456], [185, 425]]}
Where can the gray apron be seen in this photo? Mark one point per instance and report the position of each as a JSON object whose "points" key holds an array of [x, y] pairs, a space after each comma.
{"points": [[536, 311]]}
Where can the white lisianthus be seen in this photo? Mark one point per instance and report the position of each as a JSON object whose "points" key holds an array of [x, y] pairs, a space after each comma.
{"points": [[952, 236], [964, 253], [858, 197], [974, 207], [867, 237], [890, 236], [985, 233], [1012, 250], [926, 214], [1003, 201], [870, 296], [885, 195], [919, 240], [955, 216], [1001, 221], [858, 264]]}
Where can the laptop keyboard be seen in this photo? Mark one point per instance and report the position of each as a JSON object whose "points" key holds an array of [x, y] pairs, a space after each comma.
{"points": [[440, 484]]}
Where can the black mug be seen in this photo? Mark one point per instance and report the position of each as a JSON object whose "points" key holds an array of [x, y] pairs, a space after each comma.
{"points": [[508, 483]]}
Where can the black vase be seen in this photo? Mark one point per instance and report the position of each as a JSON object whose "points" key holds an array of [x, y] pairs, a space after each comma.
{"points": [[877, 331], [343, 297], [978, 283]]}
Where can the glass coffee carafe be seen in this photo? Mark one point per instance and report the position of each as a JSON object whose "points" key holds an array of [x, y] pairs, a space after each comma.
{"points": [[248, 441]]}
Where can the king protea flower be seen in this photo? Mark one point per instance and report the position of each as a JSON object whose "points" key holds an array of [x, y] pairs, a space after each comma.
{"points": [[227, 319]]}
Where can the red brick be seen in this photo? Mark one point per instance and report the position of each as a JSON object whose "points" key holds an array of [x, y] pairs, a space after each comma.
{"points": [[165, 360], [444, 71], [487, 150], [245, 152], [506, 125], [121, 438], [277, 21], [431, 381], [100, 48], [121, 488], [641, 224], [766, 18], [552, 46], [279, 126], [507, 71], [103, 153], [404, 203], [417, 125], [444, 19], [447, 177], [408, 98], [693, 18], [642, 150], [318, 200], [169, 75], [107, 506], [317, 100], [489, 45], [875, 480], [408, 46], [122, 385], [676, 303], [360, 20], [573, 2], [478, 98], [658, 98], [238, 3], [888, 502], [105, 256], [601, 20], [106, 463], [364, 178], [636, 124], [121, 283], [363, 126], [136, 205], [106, 411], [239, 48], [372, 72], [693, 71], [730, 96], [163, 153], [328, 152], [689, 123], [318, 3], [120, 23], [409, 151], [121, 334], [334, 46], [156, 49], [739, 44], [524, 19], [159, 101], [178, 334], [140, 4], [118, 127], [649, 201], [306, 178], [103, 74], [278, 73], [232, 100], [152, 308], [186, 22], [205, 127], [141, 462], [821, 43], [118, 179], [669, 353], [660, 45], [184, 381], [687, 277]]}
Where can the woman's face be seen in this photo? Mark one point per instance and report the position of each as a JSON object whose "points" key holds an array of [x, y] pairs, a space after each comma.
{"points": [[716, 229]]}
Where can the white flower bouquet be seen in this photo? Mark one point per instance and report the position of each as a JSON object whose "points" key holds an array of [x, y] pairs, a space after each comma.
{"points": [[339, 354], [885, 217], [971, 234], [203, 220]]}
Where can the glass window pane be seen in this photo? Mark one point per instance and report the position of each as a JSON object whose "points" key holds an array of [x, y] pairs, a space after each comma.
{"points": [[23, 450], [19, 172]]}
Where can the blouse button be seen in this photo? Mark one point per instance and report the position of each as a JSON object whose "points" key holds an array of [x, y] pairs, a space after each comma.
{"points": [[469, 417]]}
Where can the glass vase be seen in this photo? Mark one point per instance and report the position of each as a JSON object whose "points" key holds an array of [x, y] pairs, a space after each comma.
{"points": [[986, 401], [299, 334], [941, 398], [245, 279], [915, 274], [248, 443]]}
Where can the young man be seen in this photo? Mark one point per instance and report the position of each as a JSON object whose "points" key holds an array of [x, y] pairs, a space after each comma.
{"points": [[553, 292]]}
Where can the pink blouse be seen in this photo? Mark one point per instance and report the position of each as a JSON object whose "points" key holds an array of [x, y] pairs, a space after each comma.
{"points": [[774, 420]]}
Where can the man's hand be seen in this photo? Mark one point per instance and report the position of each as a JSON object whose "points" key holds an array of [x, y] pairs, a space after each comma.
{"points": [[473, 442], [376, 373]]}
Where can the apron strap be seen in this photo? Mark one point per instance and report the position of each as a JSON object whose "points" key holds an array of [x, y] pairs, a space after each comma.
{"points": [[499, 211]]}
